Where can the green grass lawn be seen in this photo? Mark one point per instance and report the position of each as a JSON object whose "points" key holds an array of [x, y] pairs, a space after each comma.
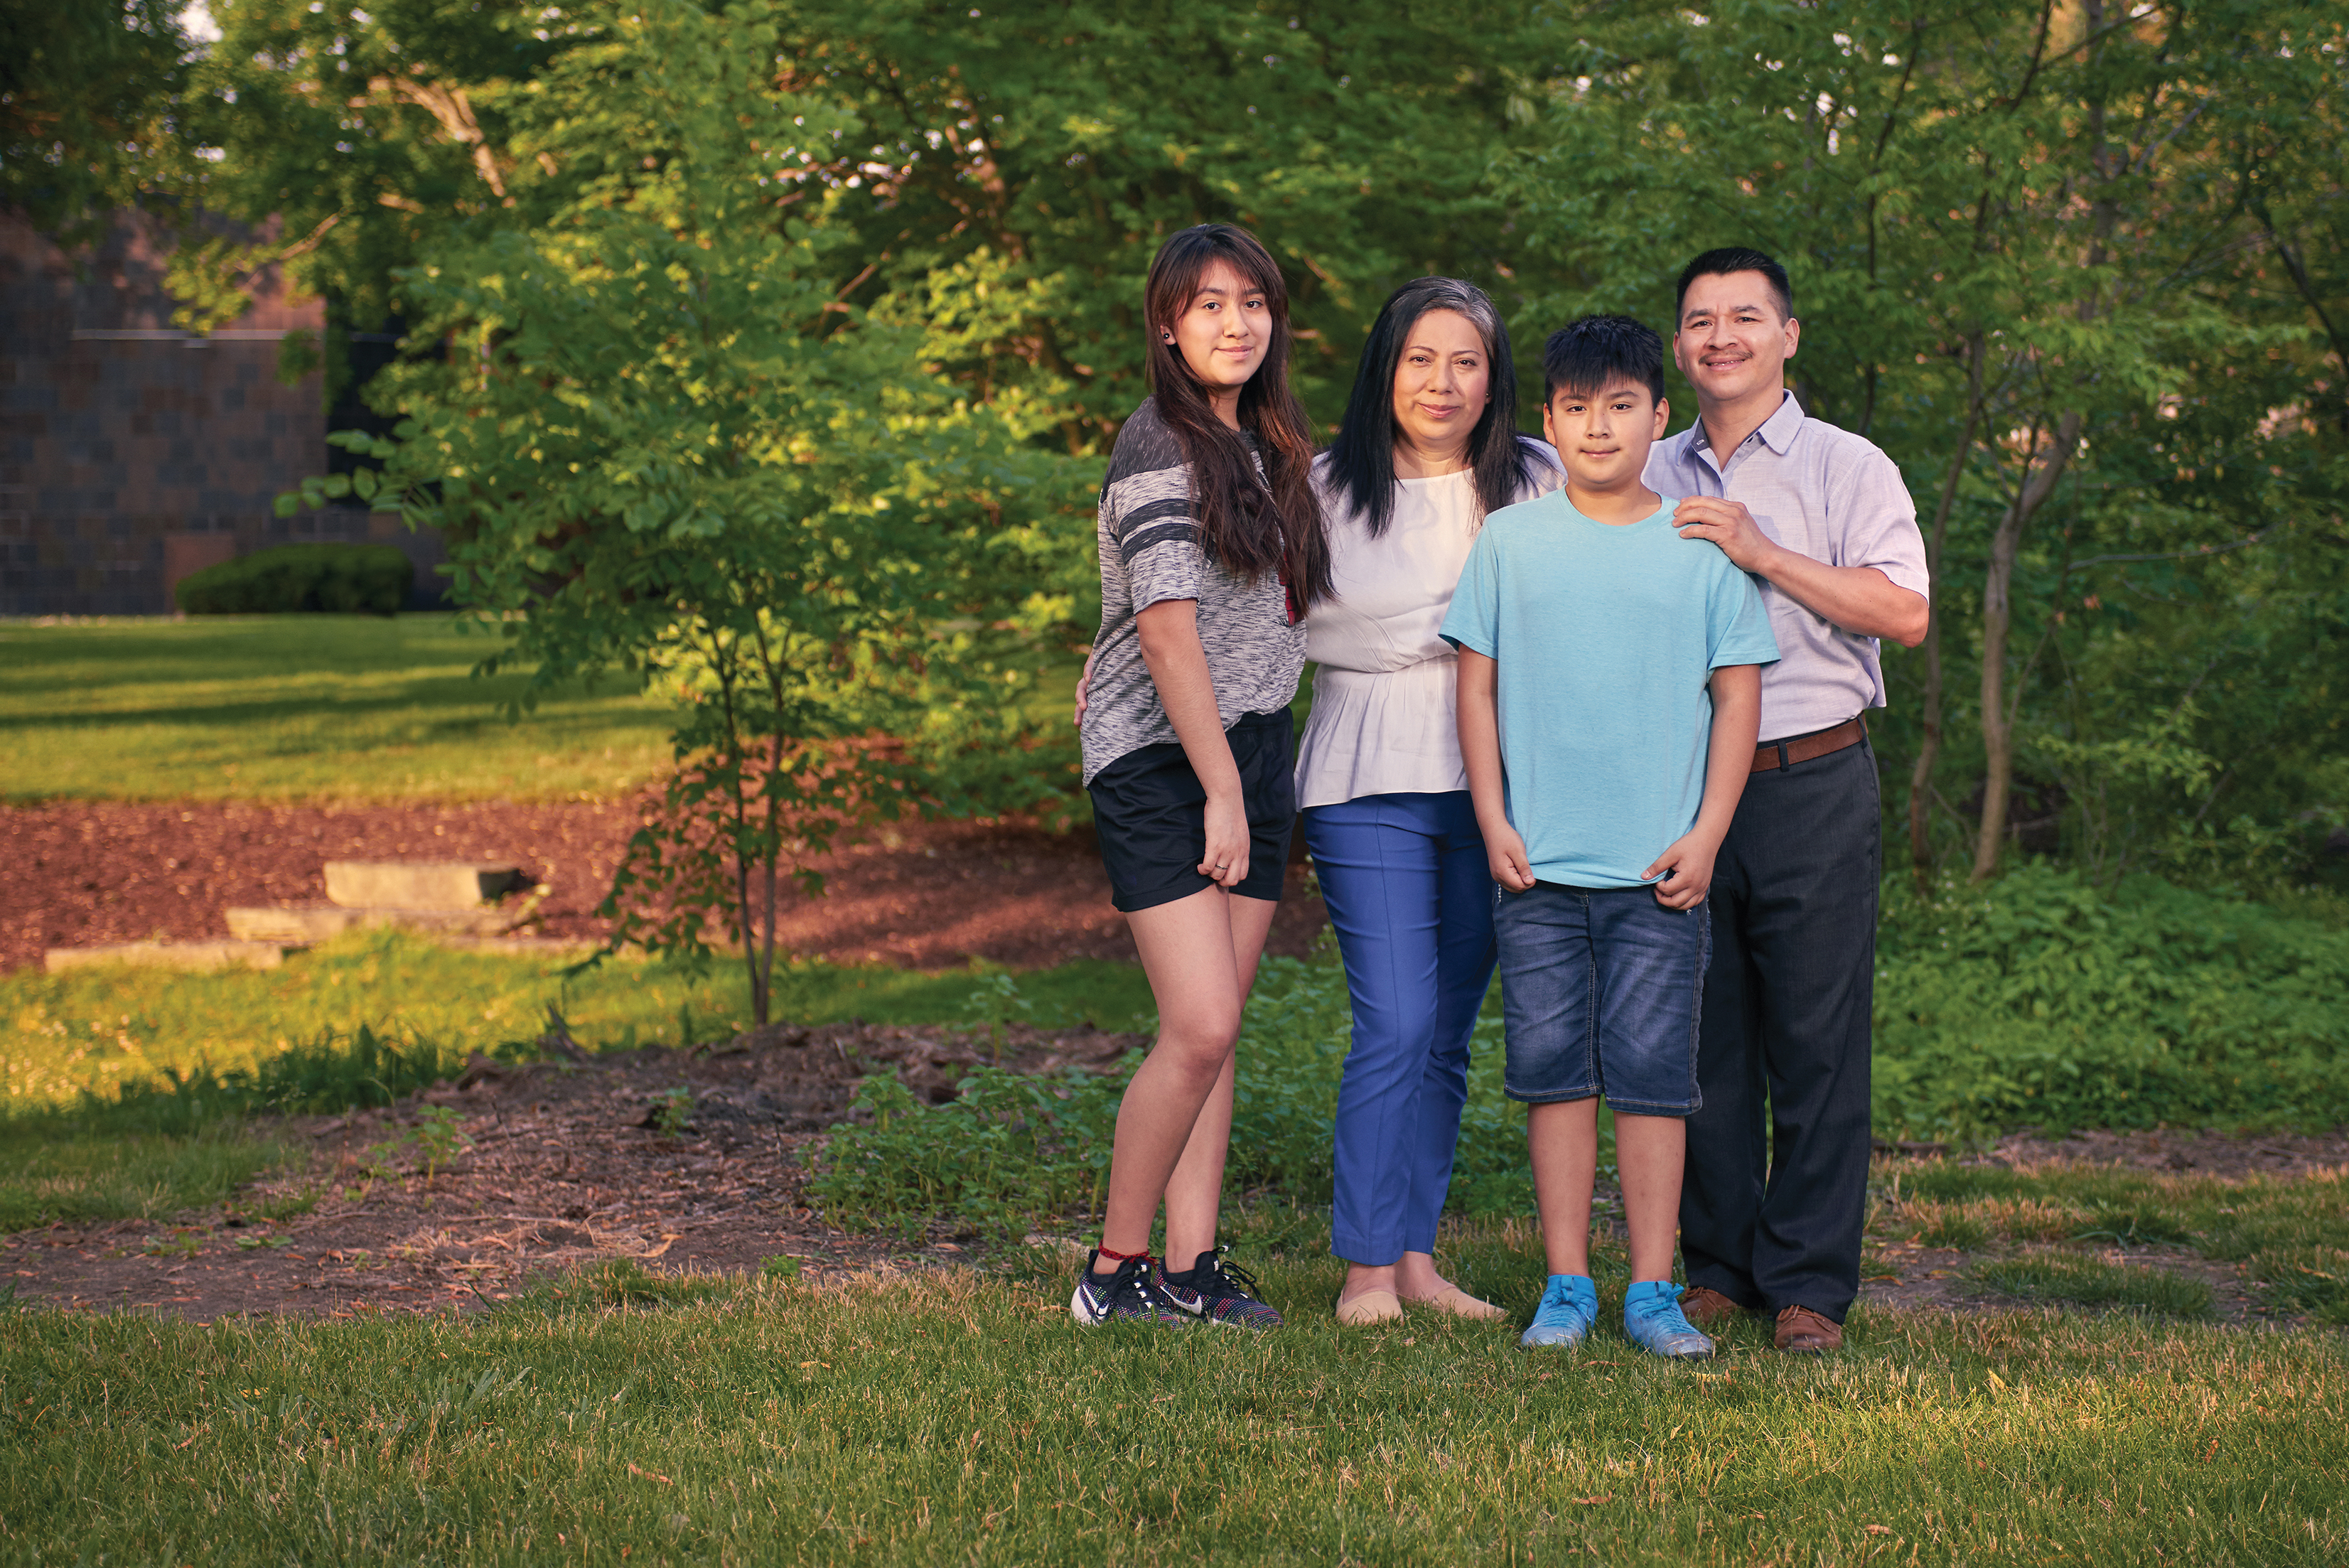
{"points": [[958, 1416], [955, 1415], [925, 1414], [299, 707], [96, 1028], [312, 707]]}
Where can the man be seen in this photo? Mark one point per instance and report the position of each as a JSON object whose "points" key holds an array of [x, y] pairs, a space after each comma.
{"points": [[1771, 1211]]}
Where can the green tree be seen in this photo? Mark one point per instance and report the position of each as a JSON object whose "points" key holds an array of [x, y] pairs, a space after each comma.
{"points": [[2079, 270], [2002, 222], [660, 441], [86, 95]]}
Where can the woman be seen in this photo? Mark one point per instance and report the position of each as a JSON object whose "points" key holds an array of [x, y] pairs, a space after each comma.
{"points": [[1429, 447], [1211, 547]]}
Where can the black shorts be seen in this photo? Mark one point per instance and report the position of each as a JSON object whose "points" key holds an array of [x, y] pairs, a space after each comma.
{"points": [[1151, 812]]}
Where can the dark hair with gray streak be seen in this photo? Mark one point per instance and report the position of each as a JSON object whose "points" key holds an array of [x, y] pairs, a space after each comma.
{"points": [[1362, 460]]}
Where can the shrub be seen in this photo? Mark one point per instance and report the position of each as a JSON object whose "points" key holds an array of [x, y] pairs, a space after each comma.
{"points": [[1008, 1154], [2034, 1001], [2038, 1000], [1013, 1153], [338, 580]]}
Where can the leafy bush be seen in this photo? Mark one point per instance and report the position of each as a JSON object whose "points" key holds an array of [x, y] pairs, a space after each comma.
{"points": [[2035, 1001], [2038, 1000], [1010, 1152], [340, 579], [1013, 1153]]}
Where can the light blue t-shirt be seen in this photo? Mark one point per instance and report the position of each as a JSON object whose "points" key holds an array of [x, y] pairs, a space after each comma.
{"points": [[1605, 638]]}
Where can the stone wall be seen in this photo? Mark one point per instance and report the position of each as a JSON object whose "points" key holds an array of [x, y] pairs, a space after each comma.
{"points": [[132, 452]]}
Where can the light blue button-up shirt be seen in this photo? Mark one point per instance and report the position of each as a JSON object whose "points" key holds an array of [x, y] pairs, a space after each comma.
{"points": [[1825, 494]]}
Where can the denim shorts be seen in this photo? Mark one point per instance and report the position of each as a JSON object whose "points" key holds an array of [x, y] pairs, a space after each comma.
{"points": [[1600, 989]]}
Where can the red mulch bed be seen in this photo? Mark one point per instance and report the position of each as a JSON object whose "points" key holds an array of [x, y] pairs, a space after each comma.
{"points": [[918, 895]]}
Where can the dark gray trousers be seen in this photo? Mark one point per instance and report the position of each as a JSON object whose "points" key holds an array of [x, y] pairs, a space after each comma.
{"points": [[1777, 1188]]}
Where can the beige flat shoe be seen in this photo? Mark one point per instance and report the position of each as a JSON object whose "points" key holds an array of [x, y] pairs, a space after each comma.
{"points": [[1371, 1306], [1460, 1304]]}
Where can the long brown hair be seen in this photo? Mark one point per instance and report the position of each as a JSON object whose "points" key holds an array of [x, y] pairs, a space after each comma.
{"points": [[1249, 525]]}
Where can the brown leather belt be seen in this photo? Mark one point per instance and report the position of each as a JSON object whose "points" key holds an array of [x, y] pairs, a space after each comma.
{"points": [[1803, 748]]}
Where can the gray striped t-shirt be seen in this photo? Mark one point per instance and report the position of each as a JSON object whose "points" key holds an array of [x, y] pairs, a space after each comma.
{"points": [[1150, 551]]}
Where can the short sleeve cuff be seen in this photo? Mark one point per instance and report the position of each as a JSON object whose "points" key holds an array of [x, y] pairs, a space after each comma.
{"points": [[1171, 569], [1162, 593], [1905, 574], [1731, 657]]}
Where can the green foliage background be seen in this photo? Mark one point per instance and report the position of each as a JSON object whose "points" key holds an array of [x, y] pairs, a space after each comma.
{"points": [[2077, 269]]}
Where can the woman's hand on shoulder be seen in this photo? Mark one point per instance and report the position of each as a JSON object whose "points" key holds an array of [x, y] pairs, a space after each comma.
{"points": [[1084, 685]]}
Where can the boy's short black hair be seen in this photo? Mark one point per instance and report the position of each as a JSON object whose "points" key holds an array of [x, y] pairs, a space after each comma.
{"points": [[1730, 259], [1584, 356]]}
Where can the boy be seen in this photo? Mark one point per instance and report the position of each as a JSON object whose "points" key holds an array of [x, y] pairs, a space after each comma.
{"points": [[1610, 697]]}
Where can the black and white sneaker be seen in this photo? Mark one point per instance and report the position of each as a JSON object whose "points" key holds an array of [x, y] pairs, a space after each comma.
{"points": [[1129, 1295], [1224, 1293]]}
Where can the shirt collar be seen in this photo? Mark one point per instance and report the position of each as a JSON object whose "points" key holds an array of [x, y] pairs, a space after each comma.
{"points": [[1778, 431]]}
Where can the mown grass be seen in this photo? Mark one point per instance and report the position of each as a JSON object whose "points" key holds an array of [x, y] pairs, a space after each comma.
{"points": [[83, 1177], [2290, 1235], [300, 707], [343, 708], [2093, 1281], [100, 1028], [957, 1417]]}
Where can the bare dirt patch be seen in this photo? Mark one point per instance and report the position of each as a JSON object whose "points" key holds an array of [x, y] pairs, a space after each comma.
{"points": [[2171, 1151], [918, 895], [561, 1165], [1911, 1278]]}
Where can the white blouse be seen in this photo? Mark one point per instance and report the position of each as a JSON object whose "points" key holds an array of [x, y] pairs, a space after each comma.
{"points": [[1384, 698]]}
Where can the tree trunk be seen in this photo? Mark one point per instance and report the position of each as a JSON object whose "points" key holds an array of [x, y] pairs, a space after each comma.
{"points": [[1920, 780], [1997, 713]]}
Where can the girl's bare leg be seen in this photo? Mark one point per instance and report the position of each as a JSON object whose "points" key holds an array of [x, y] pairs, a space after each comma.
{"points": [[1174, 1124], [1195, 1194]]}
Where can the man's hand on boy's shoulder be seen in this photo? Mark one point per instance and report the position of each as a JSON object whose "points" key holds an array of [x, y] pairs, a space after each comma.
{"points": [[1688, 863], [1721, 521]]}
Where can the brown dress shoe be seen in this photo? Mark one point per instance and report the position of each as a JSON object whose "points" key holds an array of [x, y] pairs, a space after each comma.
{"points": [[1708, 1308], [1801, 1329]]}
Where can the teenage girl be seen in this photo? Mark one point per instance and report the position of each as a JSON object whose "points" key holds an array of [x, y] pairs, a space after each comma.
{"points": [[1430, 446], [1211, 549]]}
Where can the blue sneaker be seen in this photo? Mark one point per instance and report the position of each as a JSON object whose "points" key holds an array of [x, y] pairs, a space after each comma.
{"points": [[1570, 1305], [1652, 1317]]}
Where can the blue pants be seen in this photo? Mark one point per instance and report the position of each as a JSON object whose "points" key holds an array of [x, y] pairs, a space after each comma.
{"points": [[1411, 896]]}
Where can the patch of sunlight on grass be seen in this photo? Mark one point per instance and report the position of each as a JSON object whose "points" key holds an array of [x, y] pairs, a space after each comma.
{"points": [[300, 707], [353, 708], [100, 1028], [936, 1415]]}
